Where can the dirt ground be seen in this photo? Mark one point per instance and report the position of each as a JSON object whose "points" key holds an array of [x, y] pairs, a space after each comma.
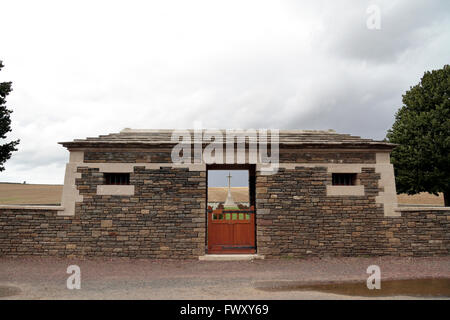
{"points": [[45, 278]]}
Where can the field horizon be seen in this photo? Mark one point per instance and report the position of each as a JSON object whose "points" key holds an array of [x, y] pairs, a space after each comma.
{"points": [[42, 194]]}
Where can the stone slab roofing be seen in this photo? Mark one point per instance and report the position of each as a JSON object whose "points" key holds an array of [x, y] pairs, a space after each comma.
{"points": [[288, 138]]}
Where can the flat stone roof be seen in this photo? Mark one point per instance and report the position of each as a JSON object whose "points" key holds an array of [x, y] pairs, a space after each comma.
{"points": [[139, 137]]}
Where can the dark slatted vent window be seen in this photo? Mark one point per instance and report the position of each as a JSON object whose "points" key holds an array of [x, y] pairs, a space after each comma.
{"points": [[117, 178], [344, 179]]}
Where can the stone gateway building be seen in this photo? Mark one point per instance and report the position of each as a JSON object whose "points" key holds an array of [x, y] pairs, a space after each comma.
{"points": [[329, 195]]}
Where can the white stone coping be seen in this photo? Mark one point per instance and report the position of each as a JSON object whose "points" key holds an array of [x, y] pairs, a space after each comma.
{"points": [[29, 207], [128, 167], [230, 257], [345, 190], [115, 190], [420, 208]]}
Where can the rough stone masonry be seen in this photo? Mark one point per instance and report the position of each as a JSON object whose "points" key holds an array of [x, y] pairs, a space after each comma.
{"points": [[161, 212]]}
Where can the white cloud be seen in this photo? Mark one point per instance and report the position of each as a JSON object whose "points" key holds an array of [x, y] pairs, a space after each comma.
{"points": [[85, 68]]}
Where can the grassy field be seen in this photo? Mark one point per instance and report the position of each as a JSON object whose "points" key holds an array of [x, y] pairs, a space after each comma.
{"points": [[423, 198], [219, 194], [17, 193]]}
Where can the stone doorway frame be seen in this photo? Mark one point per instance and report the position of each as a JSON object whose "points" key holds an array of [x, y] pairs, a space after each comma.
{"points": [[251, 168]]}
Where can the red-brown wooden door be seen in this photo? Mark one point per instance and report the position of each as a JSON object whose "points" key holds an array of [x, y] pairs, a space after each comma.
{"points": [[231, 231]]}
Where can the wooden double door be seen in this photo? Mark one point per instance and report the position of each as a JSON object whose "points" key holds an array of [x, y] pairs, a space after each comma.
{"points": [[231, 231]]}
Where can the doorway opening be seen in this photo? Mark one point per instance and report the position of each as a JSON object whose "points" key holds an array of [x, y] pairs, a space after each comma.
{"points": [[230, 213]]}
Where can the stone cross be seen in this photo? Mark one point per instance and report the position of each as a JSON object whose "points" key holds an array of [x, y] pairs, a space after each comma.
{"points": [[229, 202]]}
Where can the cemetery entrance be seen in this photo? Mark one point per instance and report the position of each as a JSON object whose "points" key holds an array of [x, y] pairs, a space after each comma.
{"points": [[231, 225]]}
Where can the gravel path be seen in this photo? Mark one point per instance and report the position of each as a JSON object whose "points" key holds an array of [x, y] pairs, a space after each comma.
{"points": [[45, 278]]}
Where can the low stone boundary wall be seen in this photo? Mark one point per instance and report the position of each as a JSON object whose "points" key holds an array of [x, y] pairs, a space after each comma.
{"points": [[419, 232], [39, 231]]}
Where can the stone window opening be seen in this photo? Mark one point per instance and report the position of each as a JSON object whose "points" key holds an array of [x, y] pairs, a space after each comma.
{"points": [[117, 178], [344, 179]]}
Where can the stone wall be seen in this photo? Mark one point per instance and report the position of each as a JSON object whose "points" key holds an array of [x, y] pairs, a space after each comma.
{"points": [[164, 219], [127, 156], [285, 156], [301, 156], [295, 218], [37, 232], [43, 233]]}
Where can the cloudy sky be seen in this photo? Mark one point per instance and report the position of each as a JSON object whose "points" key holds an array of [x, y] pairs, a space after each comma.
{"points": [[84, 68], [219, 178]]}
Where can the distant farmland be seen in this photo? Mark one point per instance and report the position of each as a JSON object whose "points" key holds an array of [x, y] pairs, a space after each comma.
{"points": [[422, 198], [17, 193]]}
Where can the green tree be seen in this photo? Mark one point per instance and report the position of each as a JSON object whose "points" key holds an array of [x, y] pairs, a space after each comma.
{"points": [[422, 131], [6, 149]]}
